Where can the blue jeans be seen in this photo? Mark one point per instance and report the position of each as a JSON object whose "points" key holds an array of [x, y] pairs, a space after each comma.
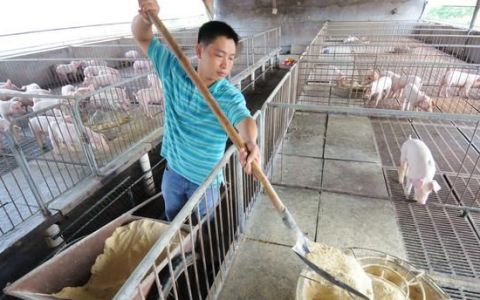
{"points": [[177, 190]]}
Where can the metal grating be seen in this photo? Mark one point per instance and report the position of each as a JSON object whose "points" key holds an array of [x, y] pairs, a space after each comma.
{"points": [[460, 293], [436, 239]]}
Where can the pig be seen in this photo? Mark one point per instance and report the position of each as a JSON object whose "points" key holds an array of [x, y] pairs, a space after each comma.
{"points": [[99, 70], [418, 166], [147, 96], [459, 79], [68, 90], [43, 103], [9, 85], [115, 98], [399, 82], [63, 70], [10, 107], [39, 125], [65, 135], [5, 129], [34, 88], [132, 54], [101, 80], [414, 98], [379, 88], [142, 65]]}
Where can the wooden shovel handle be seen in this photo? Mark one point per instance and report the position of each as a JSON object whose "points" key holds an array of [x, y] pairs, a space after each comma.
{"points": [[232, 133]]}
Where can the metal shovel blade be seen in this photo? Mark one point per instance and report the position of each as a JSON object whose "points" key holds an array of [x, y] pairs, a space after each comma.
{"points": [[301, 249], [327, 276]]}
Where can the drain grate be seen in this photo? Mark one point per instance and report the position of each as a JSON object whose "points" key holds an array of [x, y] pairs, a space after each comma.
{"points": [[459, 293], [436, 239]]}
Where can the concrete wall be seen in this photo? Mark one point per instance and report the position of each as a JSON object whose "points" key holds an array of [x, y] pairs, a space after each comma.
{"points": [[300, 20]]}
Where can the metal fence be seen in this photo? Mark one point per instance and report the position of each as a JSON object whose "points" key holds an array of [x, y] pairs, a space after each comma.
{"points": [[90, 110], [198, 270], [349, 63]]}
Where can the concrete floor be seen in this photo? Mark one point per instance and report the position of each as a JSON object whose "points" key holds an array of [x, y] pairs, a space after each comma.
{"points": [[331, 179]]}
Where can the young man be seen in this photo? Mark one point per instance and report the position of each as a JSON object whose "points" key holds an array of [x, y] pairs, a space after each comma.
{"points": [[194, 140]]}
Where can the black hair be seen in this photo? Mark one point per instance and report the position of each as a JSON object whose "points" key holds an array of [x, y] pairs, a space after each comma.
{"points": [[211, 30]]}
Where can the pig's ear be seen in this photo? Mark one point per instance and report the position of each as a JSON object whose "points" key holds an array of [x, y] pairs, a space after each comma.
{"points": [[417, 184], [9, 82], [434, 186]]}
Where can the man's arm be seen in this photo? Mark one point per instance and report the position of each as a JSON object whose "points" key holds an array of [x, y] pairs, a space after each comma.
{"points": [[141, 25], [248, 131]]}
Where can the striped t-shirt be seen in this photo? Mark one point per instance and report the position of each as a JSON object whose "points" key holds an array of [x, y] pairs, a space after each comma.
{"points": [[193, 140]]}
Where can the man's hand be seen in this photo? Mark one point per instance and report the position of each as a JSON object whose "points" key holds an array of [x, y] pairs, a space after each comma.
{"points": [[248, 154], [148, 6]]}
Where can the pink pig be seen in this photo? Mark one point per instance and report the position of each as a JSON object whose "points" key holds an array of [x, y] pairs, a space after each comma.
{"points": [[417, 164], [65, 135]]}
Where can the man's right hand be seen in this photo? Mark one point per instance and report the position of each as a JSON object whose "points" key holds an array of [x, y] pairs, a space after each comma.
{"points": [[148, 6]]}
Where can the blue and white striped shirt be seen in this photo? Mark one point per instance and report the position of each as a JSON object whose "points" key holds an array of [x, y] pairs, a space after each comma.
{"points": [[193, 140]]}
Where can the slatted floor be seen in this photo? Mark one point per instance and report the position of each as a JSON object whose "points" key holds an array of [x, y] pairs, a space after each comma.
{"points": [[436, 238]]}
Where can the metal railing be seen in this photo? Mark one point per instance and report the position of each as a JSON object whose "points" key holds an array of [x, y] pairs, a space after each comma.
{"points": [[199, 270]]}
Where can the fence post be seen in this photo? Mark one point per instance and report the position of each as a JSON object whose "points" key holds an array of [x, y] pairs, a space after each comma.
{"points": [[238, 179], [23, 164]]}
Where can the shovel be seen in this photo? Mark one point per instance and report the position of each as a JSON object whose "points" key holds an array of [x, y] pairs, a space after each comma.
{"points": [[301, 245]]}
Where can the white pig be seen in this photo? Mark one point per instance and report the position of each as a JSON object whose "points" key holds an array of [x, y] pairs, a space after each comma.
{"points": [[115, 97], [102, 80], [459, 79], [414, 98], [142, 65], [147, 96], [68, 90], [379, 88], [417, 164], [5, 129], [9, 108], [400, 82], [65, 135], [98, 70], [9, 85], [39, 125], [64, 69], [43, 103], [132, 54]]}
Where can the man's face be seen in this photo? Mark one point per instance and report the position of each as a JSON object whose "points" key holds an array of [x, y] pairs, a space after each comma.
{"points": [[215, 61]]}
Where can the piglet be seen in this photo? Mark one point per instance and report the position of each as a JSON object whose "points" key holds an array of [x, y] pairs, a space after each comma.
{"points": [[379, 88], [65, 135], [63, 70], [418, 166], [399, 82], [142, 65], [463, 80], [132, 54], [101, 80], [5, 129], [414, 98], [9, 108], [39, 125], [9, 85], [115, 98], [147, 96], [99, 70]]}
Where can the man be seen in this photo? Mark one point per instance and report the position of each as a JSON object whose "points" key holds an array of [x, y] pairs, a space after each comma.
{"points": [[194, 140]]}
